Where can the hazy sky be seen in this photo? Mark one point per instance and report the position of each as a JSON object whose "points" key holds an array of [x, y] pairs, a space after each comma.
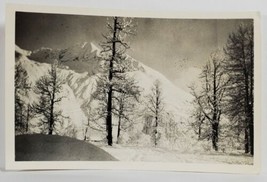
{"points": [[162, 44]]}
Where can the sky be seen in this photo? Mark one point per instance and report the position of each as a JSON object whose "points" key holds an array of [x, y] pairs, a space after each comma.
{"points": [[167, 45]]}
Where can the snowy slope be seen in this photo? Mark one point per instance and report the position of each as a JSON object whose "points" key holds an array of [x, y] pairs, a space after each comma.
{"points": [[57, 148], [174, 98], [80, 86], [70, 106]]}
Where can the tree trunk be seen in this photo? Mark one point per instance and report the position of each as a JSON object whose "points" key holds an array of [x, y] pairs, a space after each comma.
{"points": [[216, 114], [85, 134], [52, 100], [27, 119], [119, 129], [109, 117], [21, 117], [199, 132], [246, 141], [86, 130], [156, 130], [109, 104], [247, 115], [251, 126], [50, 132], [51, 120], [251, 137], [248, 133], [215, 136], [200, 126], [156, 118]]}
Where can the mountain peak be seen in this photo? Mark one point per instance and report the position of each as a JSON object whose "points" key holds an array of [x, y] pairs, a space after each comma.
{"points": [[22, 51], [83, 52]]}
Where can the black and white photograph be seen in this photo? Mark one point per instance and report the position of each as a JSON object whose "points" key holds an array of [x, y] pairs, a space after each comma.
{"points": [[115, 88]]}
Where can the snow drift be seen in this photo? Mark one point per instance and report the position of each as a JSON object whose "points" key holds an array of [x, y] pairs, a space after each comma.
{"points": [[57, 148]]}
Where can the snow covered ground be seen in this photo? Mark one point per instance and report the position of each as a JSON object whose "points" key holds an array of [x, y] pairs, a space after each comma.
{"points": [[154, 154], [57, 148]]}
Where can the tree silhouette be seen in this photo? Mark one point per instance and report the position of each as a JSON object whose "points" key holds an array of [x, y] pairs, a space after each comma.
{"points": [[240, 67], [48, 88], [22, 109], [155, 108], [115, 66], [209, 100]]}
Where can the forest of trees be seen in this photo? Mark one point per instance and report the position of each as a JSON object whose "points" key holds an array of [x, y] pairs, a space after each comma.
{"points": [[227, 89], [225, 92]]}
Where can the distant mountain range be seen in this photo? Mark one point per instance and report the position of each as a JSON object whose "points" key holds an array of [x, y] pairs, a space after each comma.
{"points": [[84, 53]]}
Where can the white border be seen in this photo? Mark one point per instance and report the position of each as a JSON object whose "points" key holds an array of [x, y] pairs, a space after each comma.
{"points": [[11, 164]]}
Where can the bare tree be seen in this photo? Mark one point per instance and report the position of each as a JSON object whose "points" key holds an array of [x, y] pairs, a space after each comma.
{"points": [[198, 123], [171, 129], [210, 98], [93, 116], [155, 107], [114, 67], [240, 67], [124, 105], [22, 109], [48, 88]]}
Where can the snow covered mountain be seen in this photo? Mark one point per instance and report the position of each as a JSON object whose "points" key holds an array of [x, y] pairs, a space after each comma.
{"points": [[84, 53], [70, 105], [81, 83]]}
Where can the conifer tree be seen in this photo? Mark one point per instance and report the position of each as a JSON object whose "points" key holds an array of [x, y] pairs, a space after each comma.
{"points": [[240, 67], [114, 82]]}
